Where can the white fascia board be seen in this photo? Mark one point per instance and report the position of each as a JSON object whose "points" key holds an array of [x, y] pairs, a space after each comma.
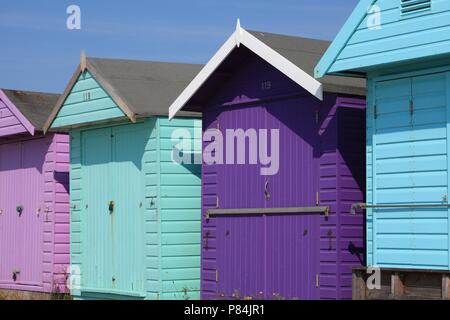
{"points": [[204, 74], [282, 64], [241, 36]]}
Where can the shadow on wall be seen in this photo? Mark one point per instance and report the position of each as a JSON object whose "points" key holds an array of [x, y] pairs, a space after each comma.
{"points": [[63, 179], [193, 168]]}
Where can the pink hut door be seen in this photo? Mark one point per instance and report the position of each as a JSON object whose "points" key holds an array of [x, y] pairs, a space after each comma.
{"points": [[9, 171], [22, 165]]}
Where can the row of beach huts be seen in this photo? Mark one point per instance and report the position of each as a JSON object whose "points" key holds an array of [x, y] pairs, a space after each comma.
{"points": [[93, 204]]}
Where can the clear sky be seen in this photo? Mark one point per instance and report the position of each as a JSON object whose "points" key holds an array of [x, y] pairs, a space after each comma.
{"points": [[38, 52]]}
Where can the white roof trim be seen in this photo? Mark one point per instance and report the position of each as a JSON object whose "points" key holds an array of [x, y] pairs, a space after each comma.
{"points": [[241, 36]]}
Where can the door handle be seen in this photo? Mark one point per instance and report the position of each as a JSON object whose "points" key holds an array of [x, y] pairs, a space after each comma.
{"points": [[15, 275], [19, 210], [111, 207], [266, 190]]}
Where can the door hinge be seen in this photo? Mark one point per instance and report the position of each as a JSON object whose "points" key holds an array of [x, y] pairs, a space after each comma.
{"points": [[217, 276], [317, 198], [375, 111], [411, 107], [217, 202], [317, 281]]}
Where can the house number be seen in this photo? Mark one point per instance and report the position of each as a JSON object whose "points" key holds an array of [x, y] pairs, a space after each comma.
{"points": [[87, 96], [266, 85]]}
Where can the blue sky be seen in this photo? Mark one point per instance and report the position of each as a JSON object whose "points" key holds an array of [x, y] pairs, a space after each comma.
{"points": [[39, 53]]}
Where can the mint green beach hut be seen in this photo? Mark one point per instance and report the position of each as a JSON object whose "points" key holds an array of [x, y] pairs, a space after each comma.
{"points": [[135, 213]]}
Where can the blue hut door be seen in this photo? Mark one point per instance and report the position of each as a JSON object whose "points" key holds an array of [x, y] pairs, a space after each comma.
{"points": [[410, 167], [128, 146], [114, 196], [97, 231]]}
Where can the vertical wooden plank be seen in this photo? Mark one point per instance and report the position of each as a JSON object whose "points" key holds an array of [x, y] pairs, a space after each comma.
{"points": [[446, 287], [447, 75], [374, 174], [397, 286], [358, 286]]}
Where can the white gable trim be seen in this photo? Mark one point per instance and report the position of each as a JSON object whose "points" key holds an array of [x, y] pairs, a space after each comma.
{"points": [[241, 36]]}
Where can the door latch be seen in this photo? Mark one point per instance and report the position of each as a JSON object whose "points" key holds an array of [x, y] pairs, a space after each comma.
{"points": [[111, 207], [19, 210], [266, 190], [15, 274]]}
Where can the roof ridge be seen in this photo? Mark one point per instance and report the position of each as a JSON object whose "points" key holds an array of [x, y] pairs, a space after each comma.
{"points": [[29, 91], [145, 61], [289, 36]]}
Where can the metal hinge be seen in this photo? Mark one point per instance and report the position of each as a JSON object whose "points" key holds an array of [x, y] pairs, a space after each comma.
{"points": [[375, 111], [317, 199], [317, 281], [411, 107], [217, 276], [217, 202]]}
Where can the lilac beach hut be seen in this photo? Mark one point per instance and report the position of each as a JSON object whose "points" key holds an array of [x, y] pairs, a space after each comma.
{"points": [[34, 198]]}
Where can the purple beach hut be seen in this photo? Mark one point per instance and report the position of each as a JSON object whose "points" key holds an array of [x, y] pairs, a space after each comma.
{"points": [[277, 193]]}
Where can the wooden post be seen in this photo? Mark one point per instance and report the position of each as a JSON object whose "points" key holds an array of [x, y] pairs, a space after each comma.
{"points": [[358, 285], [446, 287], [397, 286]]}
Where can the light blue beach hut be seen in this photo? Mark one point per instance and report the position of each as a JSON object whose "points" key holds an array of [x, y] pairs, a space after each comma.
{"points": [[402, 47], [135, 213]]}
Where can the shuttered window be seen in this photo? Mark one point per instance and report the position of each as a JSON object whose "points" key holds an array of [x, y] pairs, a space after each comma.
{"points": [[414, 6]]}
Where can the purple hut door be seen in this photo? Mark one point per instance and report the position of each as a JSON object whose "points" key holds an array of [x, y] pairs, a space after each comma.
{"points": [[292, 241], [240, 240], [272, 256]]}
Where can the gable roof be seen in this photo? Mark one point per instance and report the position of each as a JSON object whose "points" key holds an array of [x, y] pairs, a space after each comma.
{"points": [[140, 88], [342, 38], [31, 108], [293, 56]]}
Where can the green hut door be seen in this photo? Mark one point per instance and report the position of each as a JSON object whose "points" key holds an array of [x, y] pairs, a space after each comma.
{"points": [[114, 194]]}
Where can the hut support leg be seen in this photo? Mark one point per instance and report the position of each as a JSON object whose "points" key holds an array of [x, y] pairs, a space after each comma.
{"points": [[446, 287], [397, 286], [358, 286]]}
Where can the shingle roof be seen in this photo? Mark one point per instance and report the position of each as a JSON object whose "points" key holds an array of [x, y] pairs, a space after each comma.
{"points": [[306, 53], [148, 87], [35, 106]]}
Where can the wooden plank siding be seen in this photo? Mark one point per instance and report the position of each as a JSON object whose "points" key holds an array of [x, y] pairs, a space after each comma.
{"points": [[9, 123], [410, 153], [87, 102], [61, 207], [42, 186], [171, 249], [180, 203], [400, 37]]}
